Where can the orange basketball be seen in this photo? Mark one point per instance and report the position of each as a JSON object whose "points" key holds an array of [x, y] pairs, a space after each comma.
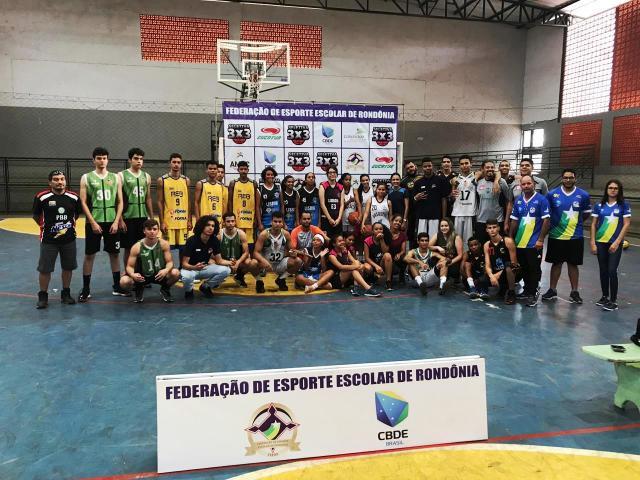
{"points": [[353, 218], [366, 230]]}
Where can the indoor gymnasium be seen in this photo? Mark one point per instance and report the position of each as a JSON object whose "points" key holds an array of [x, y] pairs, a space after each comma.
{"points": [[311, 239]]}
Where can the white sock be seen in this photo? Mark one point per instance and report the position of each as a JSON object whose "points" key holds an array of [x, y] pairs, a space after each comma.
{"points": [[443, 280], [283, 275], [470, 282], [418, 279]]}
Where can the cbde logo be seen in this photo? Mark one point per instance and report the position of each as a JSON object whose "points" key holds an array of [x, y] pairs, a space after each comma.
{"points": [[391, 409]]}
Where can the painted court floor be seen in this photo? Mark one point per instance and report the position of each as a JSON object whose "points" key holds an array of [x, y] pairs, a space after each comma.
{"points": [[77, 389]]}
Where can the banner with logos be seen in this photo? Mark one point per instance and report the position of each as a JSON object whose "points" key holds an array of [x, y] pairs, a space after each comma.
{"points": [[297, 138], [234, 418]]}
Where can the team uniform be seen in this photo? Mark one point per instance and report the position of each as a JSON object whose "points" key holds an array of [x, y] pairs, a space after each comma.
{"points": [[274, 251], [449, 178], [101, 198], [396, 197], [301, 239], [465, 206], [375, 252], [270, 201], [290, 201], [150, 261], [332, 204], [539, 185], [57, 216], [566, 240], [310, 203], [349, 207], [450, 253], [428, 276], [244, 200], [176, 209], [500, 260], [478, 272], [365, 196], [343, 258], [380, 212], [230, 246], [135, 189], [213, 199], [313, 269]]}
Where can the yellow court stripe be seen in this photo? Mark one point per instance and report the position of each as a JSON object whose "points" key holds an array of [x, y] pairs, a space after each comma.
{"points": [[468, 462]]}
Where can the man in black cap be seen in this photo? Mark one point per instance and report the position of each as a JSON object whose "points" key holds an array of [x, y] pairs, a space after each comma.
{"points": [[56, 210]]}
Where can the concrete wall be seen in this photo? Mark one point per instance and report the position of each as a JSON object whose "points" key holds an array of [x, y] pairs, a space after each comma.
{"points": [[85, 55]]}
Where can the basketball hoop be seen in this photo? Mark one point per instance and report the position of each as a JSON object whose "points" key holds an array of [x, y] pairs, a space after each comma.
{"points": [[253, 82]]}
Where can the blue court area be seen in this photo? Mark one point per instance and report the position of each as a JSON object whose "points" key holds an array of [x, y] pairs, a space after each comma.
{"points": [[77, 390]]}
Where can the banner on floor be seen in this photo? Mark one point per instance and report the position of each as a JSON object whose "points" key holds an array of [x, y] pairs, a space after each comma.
{"points": [[234, 418], [297, 138]]}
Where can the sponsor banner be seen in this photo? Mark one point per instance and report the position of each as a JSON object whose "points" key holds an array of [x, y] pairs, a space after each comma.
{"points": [[298, 161], [383, 162], [327, 135], [269, 157], [323, 159], [298, 134], [355, 135], [269, 133], [234, 154], [382, 136], [310, 112], [234, 418], [239, 133], [355, 161]]}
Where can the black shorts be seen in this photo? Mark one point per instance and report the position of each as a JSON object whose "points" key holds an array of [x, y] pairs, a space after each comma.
{"points": [[49, 253], [336, 282], [331, 230], [92, 240], [452, 272], [134, 233], [560, 251]]}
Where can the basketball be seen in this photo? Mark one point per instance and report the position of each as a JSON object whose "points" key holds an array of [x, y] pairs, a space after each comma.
{"points": [[625, 244], [366, 230], [353, 218]]}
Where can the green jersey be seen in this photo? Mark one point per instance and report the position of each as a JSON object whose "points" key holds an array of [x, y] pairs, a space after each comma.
{"points": [[230, 247], [134, 191], [150, 260], [102, 193]]}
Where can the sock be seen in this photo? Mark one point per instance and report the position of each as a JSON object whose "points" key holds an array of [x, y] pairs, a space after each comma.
{"points": [[283, 275], [43, 292], [443, 280], [116, 279], [86, 282], [418, 279], [470, 282]]}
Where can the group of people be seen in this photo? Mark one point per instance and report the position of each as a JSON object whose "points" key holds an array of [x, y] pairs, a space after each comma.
{"points": [[482, 228]]}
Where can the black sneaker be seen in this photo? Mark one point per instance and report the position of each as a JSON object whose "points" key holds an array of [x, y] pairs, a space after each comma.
{"points": [[205, 291], [603, 301], [522, 296], [84, 296], [239, 279], [424, 289], [510, 297], [610, 306], [66, 298], [552, 294], [355, 291], [165, 293], [533, 301], [120, 292], [389, 287], [260, 286], [484, 294], [138, 294], [282, 284], [473, 293], [442, 291], [188, 295], [575, 297], [372, 292], [43, 300]]}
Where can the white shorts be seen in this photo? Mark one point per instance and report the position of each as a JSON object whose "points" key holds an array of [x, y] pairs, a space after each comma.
{"points": [[428, 226], [429, 277], [280, 267], [464, 228]]}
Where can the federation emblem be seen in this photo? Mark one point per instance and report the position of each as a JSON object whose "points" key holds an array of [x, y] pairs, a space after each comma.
{"points": [[298, 161], [269, 157], [272, 431], [327, 132], [298, 134], [382, 135], [239, 133], [355, 159], [391, 408]]}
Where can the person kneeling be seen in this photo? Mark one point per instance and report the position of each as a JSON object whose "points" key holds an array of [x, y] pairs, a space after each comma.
{"points": [[377, 254], [201, 259], [419, 260], [149, 262], [500, 261], [473, 268], [314, 273]]}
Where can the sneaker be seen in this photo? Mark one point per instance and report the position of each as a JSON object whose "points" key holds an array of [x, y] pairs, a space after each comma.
{"points": [[120, 292], [282, 284], [473, 292], [533, 301], [510, 297], [442, 291], [552, 294], [205, 290], [423, 289], [522, 296], [372, 292], [138, 295], [66, 298], [260, 286], [610, 306], [188, 295], [355, 291], [84, 296], [603, 301], [575, 297], [309, 288], [389, 287], [239, 279], [165, 293], [43, 300]]}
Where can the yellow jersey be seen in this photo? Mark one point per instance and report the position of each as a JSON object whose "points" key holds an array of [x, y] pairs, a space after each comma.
{"points": [[176, 201], [244, 204], [214, 198]]}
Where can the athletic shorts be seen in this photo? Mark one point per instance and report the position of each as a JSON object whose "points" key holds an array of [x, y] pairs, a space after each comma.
{"points": [[134, 233], [570, 251], [429, 277], [92, 240], [452, 272], [280, 267], [427, 225], [249, 233], [311, 276], [337, 283], [49, 252], [331, 230], [177, 237]]}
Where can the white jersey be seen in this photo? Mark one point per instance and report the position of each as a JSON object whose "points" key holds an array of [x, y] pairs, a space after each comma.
{"points": [[349, 205], [380, 212], [273, 249], [366, 196], [466, 203]]}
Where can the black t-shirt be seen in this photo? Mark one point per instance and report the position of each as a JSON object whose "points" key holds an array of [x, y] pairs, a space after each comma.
{"points": [[197, 251], [436, 187], [397, 200], [57, 215]]}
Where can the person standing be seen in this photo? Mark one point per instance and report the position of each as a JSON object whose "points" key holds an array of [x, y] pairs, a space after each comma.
{"points": [[56, 210], [138, 206], [211, 196], [290, 202], [174, 207], [364, 193], [331, 203], [609, 225], [310, 199], [101, 200], [539, 183], [446, 171], [529, 226], [489, 193], [244, 201], [399, 197], [351, 202], [430, 194], [569, 207], [408, 181], [465, 200], [378, 207], [270, 198]]}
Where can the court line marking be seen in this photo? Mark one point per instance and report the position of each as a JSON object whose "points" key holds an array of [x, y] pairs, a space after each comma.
{"points": [[512, 380], [482, 444]]}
